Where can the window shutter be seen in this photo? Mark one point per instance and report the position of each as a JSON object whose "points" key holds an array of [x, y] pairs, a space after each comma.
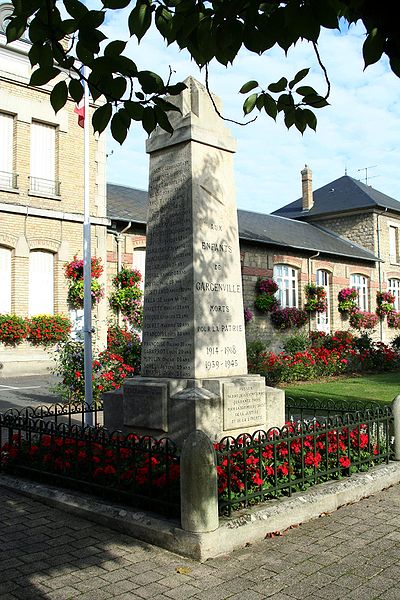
{"points": [[43, 151], [41, 283], [6, 148], [5, 278], [139, 262]]}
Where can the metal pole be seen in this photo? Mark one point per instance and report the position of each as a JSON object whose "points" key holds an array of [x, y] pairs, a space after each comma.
{"points": [[87, 262]]}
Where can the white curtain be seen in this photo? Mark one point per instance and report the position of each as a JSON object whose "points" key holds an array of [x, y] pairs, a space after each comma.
{"points": [[41, 283], [5, 279]]}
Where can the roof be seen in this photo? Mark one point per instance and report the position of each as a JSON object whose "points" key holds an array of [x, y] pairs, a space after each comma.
{"points": [[126, 203], [130, 204], [342, 195]]}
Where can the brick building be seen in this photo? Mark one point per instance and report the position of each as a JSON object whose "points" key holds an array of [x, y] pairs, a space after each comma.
{"points": [[344, 234], [41, 193]]}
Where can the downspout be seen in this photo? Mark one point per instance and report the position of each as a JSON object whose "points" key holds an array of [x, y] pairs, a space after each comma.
{"points": [[378, 245], [119, 238], [309, 279]]}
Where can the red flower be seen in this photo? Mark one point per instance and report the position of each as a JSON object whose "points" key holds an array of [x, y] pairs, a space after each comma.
{"points": [[344, 462]]}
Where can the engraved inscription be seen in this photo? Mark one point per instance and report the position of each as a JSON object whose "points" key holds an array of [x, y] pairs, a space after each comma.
{"points": [[244, 405]]}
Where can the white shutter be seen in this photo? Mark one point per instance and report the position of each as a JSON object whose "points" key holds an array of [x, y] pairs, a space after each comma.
{"points": [[139, 262], [41, 283], [5, 278], [43, 151], [6, 149]]}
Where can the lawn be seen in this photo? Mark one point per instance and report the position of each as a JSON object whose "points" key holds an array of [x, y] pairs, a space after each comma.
{"points": [[379, 387]]}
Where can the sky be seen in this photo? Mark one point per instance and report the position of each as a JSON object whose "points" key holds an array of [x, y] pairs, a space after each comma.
{"points": [[360, 129]]}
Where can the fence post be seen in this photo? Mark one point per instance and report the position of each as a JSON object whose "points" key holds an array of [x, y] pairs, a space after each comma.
{"points": [[199, 488], [396, 423]]}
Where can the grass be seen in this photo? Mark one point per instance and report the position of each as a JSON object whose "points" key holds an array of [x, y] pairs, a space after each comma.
{"points": [[378, 387]]}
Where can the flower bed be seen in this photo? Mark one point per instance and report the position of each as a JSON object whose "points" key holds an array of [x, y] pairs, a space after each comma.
{"points": [[13, 330], [252, 468], [41, 330]]}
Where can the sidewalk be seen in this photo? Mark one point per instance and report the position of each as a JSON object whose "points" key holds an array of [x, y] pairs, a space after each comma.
{"points": [[353, 554]]}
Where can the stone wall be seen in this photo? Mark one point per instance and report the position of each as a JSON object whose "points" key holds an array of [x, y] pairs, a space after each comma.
{"points": [[357, 228]]}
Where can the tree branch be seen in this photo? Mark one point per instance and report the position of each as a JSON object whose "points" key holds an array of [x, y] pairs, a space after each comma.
{"points": [[216, 108], [325, 72]]}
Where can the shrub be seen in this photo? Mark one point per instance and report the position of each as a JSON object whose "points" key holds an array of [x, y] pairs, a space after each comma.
{"points": [[285, 318], [13, 330], [297, 343], [48, 329]]}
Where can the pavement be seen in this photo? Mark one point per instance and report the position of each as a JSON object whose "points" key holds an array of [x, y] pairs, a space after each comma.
{"points": [[353, 553]]}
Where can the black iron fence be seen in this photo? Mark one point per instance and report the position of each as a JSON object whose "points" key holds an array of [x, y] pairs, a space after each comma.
{"points": [[253, 468], [52, 444], [303, 408]]}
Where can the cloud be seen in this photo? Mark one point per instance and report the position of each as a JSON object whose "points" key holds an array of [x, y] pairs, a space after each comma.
{"points": [[360, 129]]}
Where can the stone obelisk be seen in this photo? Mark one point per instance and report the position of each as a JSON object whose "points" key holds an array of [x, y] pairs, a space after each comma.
{"points": [[194, 367]]}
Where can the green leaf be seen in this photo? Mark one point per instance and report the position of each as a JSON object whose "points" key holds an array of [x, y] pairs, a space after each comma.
{"points": [[176, 89], [306, 90], [134, 109], [373, 47], [270, 106], [249, 104], [15, 29], [118, 87], [279, 86], [149, 120], [395, 65], [115, 4], [76, 9], [164, 23], [101, 117], [289, 117], [59, 95], [298, 77], [76, 89], [162, 120], [114, 48], [119, 129], [315, 101], [165, 105], [284, 102], [151, 82], [140, 19], [43, 75], [93, 19], [310, 118], [85, 55], [300, 120], [247, 87]]}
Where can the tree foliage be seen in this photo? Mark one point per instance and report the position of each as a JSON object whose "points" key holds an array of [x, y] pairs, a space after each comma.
{"points": [[208, 30]]}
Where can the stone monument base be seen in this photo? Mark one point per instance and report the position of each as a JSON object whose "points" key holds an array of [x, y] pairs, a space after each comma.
{"points": [[217, 406]]}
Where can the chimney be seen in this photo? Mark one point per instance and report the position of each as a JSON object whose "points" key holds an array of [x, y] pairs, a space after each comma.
{"points": [[306, 186]]}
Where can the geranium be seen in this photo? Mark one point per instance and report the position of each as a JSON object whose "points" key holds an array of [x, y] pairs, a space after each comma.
{"points": [[347, 300], [315, 298], [126, 297], [266, 300], [360, 319], [74, 269], [13, 330], [284, 318], [48, 329], [76, 293], [393, 320], [384, 303]]}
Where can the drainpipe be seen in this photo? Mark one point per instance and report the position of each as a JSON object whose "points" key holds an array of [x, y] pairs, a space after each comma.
{"points": [[119, 238], [378, 245], [309, 278]]}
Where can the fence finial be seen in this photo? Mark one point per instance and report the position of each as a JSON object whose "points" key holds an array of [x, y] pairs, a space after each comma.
{"points": [[199, 488]]}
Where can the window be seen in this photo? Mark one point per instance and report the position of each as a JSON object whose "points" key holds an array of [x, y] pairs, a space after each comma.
{"points": [[360, 283], [8, 178], [5, 278], [43, 160], [323, 319], [393, 244], [139, 262], [286, 278], [41, 283], [394, 288]]}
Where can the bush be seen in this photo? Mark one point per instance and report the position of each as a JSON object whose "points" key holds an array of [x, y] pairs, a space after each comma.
{"points": [[256, 351], [48, 329], [297, 343], [13, 330]]}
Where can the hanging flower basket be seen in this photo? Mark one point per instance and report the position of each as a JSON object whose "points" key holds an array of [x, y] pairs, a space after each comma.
{"points": [[315, 299], [74, 269], [248, 315], [347, 300], [285, 318], [360, 319], [76, 291], [384, 304], [393, 320], [266, 300], [127, 296]]}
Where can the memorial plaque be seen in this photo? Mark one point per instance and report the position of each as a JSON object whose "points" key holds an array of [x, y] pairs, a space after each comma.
{"points": [[244, 405]]}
